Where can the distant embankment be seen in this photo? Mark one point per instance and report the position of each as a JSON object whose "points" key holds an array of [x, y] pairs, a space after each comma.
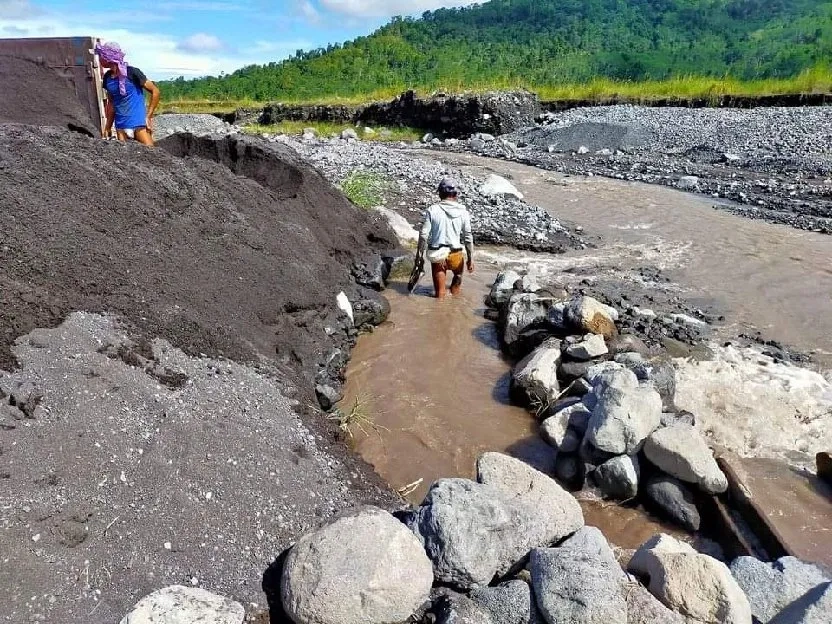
{"points": [[494, 113]]}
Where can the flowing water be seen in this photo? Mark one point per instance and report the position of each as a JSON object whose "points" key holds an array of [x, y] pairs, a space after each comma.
{"points": [[435, 384]]}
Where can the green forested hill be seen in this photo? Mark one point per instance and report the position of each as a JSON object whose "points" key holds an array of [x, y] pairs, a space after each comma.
{"points": [[546, 42]]}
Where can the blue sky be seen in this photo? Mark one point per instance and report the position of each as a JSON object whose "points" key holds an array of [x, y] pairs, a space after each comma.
{"points": [[198, 37]]}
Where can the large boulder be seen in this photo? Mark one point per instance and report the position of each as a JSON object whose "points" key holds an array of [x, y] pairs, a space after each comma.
{"points": [[525, 312], [406, 233], [681, 451], [771, 587], [696, 585], [464, 527], [590, 316], [624, 415], [475, 531], [185, 605], [536, 377], [503, 288], [577, 587], [674, 500], [364, 567], [548, 512], [497, 186], [618, 477], [814, 607], [566, 428]]}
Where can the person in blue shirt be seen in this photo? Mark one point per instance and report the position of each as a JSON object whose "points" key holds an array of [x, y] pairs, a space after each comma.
{"points": [[125, 86]]}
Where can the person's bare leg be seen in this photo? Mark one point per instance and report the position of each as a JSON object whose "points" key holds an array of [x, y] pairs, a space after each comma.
{"points": [[456, 284], [439, 278], [121, 135], [144, 137]]}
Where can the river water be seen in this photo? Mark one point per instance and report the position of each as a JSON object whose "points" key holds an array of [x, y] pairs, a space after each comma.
{"points": [[435, 384]]}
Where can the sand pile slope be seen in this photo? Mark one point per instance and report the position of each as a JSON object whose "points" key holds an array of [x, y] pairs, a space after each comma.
{"points": [[182, 248], [35, 94]]}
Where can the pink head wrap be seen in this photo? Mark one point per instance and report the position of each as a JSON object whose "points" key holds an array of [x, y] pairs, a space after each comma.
{"points": [[111, 53]]}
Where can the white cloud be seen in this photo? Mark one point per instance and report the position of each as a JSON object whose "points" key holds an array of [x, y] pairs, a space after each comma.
{"points": [[201, 42], [388, 8], [159, 56]]}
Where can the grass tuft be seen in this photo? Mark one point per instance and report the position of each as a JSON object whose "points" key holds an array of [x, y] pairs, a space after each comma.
{"points": [[358, 418], [364, 188], [325, 129]]}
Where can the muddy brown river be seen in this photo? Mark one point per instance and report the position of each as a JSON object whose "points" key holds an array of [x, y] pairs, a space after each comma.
{"points": [[436, 385]]}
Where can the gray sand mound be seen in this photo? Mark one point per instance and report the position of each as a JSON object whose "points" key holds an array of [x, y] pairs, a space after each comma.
{"points": [[34, 94], [242, 264], [593, 136]]}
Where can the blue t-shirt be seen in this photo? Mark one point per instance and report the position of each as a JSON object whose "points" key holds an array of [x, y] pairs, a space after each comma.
{"points": [[130, 108]]}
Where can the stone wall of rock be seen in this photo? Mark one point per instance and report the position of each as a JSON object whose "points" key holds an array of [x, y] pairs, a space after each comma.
{"points": [[492, 113]]}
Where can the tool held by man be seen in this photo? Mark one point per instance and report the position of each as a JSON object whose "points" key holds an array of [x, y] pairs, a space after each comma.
{"points": [[417, 273]]}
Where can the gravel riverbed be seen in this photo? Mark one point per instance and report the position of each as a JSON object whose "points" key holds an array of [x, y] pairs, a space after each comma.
{"points": [[765, 163]]}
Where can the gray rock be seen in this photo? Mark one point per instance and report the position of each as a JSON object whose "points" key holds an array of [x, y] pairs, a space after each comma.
{"points": [[814, 607], [675, 501], [509, 603], [427, 138], [578, 587], [662, 375], [476, 144], [624, 415], [688, 183], [26, 397], [525, 310], [556, 428], [570, 470], [678, 418], [327, 396], [463, 526], [771, 587], [537, 375], [696, 585], [583, 149], [528, 284], [590, 316], [497, 186], [628, 343], [571, 371], [349, 133], [590, 348], [590, 540], [681, 451], [454, 608], [182, 605], [618, 478], [547, 511], [644, 608], [364, 567], [503, 288]]}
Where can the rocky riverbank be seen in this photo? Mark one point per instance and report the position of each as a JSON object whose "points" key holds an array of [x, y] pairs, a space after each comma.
{"points": [[765, 163]]}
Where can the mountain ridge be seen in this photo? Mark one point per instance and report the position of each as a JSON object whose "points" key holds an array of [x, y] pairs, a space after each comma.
{"points": [[545, 42]]}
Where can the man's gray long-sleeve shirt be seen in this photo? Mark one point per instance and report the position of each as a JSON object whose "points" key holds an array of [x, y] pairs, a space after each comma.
{"points": [[448, 223]]}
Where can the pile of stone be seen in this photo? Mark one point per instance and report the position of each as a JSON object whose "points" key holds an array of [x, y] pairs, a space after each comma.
{"points": [[508, 548], [605, 400]]}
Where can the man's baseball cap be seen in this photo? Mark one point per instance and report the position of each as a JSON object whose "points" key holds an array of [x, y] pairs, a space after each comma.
{"points": [[448, 186]]}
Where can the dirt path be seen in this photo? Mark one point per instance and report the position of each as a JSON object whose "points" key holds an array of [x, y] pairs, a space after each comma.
{"points": [[766, 277]]}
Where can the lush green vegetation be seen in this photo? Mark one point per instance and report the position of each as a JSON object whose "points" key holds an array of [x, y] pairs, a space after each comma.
{"points": [[329, 129], [546, 44]]}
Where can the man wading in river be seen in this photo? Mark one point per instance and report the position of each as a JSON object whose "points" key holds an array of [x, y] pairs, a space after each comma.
{"points": [[446, 228], [125, 86]]}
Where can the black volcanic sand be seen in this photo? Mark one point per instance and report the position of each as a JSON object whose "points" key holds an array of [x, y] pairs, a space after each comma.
{"points": [[34, 94], [182, 248]]}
